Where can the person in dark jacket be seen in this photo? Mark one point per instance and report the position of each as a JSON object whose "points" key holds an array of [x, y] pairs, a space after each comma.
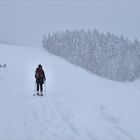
{"points": [[40, 79]]}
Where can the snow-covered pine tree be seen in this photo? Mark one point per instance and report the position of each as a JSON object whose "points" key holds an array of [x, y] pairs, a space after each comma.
{"points": [[104, 54]]}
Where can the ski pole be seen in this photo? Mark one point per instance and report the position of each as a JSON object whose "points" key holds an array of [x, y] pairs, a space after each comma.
{"points": [[45, 86], [34, 89]]}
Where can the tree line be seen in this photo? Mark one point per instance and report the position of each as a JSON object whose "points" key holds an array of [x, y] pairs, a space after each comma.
{"points": [[105, 54]]}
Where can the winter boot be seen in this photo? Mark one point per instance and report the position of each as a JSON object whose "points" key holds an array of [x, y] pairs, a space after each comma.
{"points": [[41, 93], [37, 92]]}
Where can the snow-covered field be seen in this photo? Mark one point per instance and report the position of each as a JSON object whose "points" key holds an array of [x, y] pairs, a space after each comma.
{"points": [[76, 105]]}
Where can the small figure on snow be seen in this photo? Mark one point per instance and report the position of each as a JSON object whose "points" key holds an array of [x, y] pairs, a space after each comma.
{"points": [[40, 79], [4, 66], [0, 66]]}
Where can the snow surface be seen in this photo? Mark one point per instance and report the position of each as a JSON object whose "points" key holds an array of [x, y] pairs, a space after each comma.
{"points": [[76, 105]]}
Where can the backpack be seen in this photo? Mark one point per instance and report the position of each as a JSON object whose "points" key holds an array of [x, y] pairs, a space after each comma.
{"points": [[39, 73]]}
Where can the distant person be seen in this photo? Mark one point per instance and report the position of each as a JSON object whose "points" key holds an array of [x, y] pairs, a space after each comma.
{"points": [[4, 66], [40, 79], [0, 66]]}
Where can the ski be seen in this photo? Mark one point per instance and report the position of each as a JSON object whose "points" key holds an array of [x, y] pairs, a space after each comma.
{"points": [[38, 94]]}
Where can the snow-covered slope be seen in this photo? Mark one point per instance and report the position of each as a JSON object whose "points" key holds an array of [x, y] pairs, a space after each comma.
{"points": [[76, 105]]}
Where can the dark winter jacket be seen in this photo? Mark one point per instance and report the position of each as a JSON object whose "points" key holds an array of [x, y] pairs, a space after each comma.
{"points": [[40, 76]]}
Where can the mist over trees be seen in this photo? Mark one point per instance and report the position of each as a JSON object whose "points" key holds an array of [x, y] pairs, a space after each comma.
{"points": [[104, 54]]}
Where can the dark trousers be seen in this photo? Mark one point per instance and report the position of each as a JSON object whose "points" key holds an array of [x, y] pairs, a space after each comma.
{"points": [[39, 83], [39, 86]]}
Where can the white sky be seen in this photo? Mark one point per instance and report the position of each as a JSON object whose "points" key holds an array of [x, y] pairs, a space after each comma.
{"points": [[25, 22]]}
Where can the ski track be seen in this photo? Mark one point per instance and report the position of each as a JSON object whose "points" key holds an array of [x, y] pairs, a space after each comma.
{"points": [[119, 133], [58, 120]]}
